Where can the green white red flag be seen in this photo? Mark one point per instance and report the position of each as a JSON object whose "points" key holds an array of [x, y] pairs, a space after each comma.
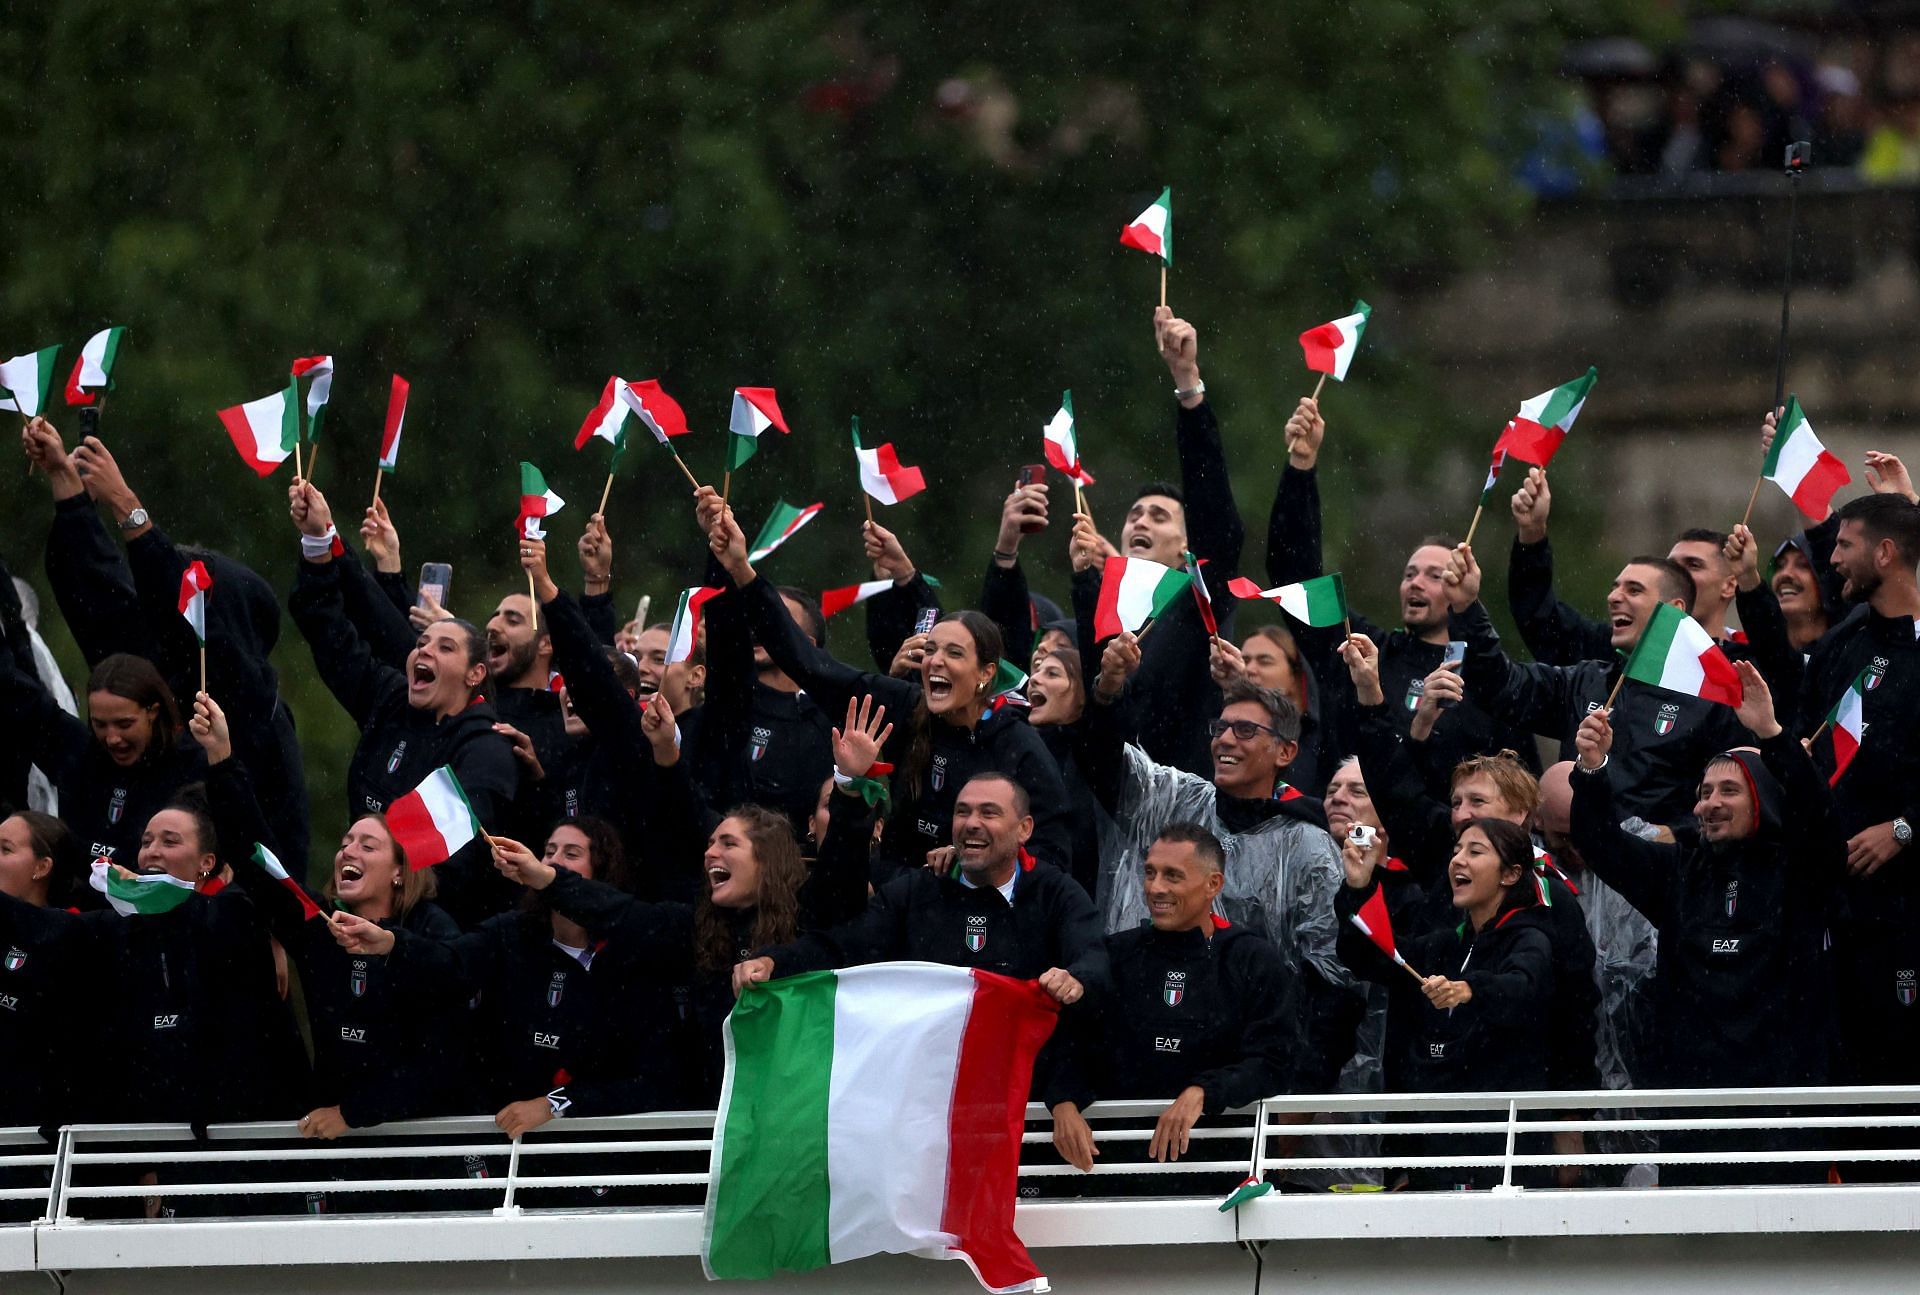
{"points": [[607, 420], [434, 820], [396, 419], [536, 502], [835, 601], [1201, 597], [1134, 591], [1152, 230], [782, 526], [265, 430], [755, 409], [1330, 347], [1544, 420], [93, 371], [270, 864], [1676, 653], [318, 368], [194, 583], [27, 380], [1319, 602], [654, 407], [876, 1110], [144, 895], [1493, 474], [1062, 445], [881, 473], [1799, 464], [683, 635], [1848, 720]]}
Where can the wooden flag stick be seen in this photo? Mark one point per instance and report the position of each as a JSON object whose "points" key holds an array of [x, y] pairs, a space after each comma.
{"points": [[726, 484], [378, 474], [1473, 525], [1317, 386], [1608, 707], [203, 666], [604, 492], [1346, 628], [1825, 724], [1163, 283], [1142, 635], [297, 470], [694, 481], [1411, 972], [533, 598], [1079, 499], [312, 454], [1747, 516], [869, 502]]}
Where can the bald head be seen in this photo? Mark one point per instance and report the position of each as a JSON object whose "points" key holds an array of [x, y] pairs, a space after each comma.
{"points": [[1556, 799]]}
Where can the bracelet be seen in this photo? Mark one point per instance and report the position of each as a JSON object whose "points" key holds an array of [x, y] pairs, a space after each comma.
{"points": [[318, 546], [558, 1101], [1197, 389], [1006, 557]]}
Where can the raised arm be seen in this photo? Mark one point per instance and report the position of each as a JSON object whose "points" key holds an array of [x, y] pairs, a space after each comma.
{"points": [[893, 614], [1554, 633], [357, 679], [1642, 871], [1293, 527], [85, 570], [1214, 528], [1004, 596]]}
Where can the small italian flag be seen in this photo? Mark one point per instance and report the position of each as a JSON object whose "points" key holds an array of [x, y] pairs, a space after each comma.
{"points": [[320, 369], [1376, 925], [881, 474], [781, 527], [754, 410], [876, 1110], [1800, 465], [1330, 347], [396, 419], [536, 502], [93, 371], [1062, 447], [1493, 472], [146, 895], [265, 430], [1201, 597], [1008, 687], [1248, 1189], [659, 411], [194, 583], [1849, 723], [1152, 230], [27, 379], [835, 601], [1544, 421], [606, 420], [434, 820], [1676, 653], [1132, 592], [1319, 602], [684, 634], [270, 864]]}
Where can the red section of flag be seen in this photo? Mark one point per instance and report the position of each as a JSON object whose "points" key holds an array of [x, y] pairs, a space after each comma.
{"points": [[1529, 442], [1139, 236], [76, 394], [1815, 495], [1722, 682], [1320, 344], [396, 415], [1375, 924]]}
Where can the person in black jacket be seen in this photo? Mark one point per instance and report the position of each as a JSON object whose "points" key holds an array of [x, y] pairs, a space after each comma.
{"points": [[994, 909], [1197, 1012], [525, 696], [1483, 987], [1057, 703], [411, 721], [945, 731], [1743, 993]]}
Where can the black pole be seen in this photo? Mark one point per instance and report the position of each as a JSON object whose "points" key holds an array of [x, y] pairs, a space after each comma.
{"points": [[1799, 156]]}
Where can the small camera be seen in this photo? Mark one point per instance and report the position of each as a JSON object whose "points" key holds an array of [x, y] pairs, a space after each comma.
{"points": [[1361, 835]]}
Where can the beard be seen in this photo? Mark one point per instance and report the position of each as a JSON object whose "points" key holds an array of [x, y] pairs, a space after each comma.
{"points": [[1860, 589], [520, 658]]}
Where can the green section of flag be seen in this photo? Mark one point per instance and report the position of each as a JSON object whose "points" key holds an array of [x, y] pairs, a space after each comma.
{"points": [[740, 449]]}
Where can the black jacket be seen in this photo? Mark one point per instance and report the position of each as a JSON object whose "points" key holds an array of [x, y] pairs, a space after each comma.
{"points": [[1186, 1008], [45, 987], [1742, 988]]}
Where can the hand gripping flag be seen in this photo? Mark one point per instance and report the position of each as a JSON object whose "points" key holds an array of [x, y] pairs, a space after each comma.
{"points": [[320, 369], [93, 371], [1319, 602], [1799, 464], [434, 820], [1152, 230], [396, 419], [1330, 347], [754, 410], [536, 502], [265, 430], [1544, 421], [782, 526], [1675, 653], [27, 379], [1062, 445], [881, 473], [194, 583]]}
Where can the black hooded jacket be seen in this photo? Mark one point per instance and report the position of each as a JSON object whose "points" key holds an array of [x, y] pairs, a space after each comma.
{"points": [[1742, 986], [46, 981]]}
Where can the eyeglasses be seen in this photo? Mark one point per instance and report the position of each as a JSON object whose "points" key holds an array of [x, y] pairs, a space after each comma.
{"points": [[1244, 729]]}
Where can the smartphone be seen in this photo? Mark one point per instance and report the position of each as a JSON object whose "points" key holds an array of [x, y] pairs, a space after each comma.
{"points": [[1456, 655], [435, 579], [925, 621], [1032, 474]]}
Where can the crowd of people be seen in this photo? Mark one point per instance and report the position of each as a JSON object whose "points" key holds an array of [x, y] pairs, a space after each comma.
{"points": [[1169, 830]]}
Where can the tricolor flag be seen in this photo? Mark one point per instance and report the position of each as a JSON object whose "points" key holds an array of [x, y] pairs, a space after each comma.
{"points": [[659, 411], [835, 601], [320, 369], [194, 583], [1008, 687], [1062, 447], [1319, 602], [1330, 347], [1132, 592], [1676, 653], [781, 527], [1201, 597], [1493, 473], [536, 501], [265, 430], [93, 371], [431, 822], [27, 379], [1849, 724], [881, 474], [684, 634], [606, 420], [1248, 1189], [271, 866], [1152, 230], [876, 1110], [396, 418], [754, 411], [1800, 465], [1376, 925], [1544, 421], [145, 895]]}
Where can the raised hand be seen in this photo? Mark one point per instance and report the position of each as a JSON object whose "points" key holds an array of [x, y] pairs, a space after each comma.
{"points": [[380, 538], [426, 610], [1359, 864], [888, 555], [309, 508], [906, 662], [1179, 344], [656, 721], [1462, 578], [1531, 503], [596, 556], [209, 728], [517, 863], [1088, 548], [1888, 476], [1742, 552], [1117, 664], [1755, 711], [857, 744], [1305, 430], [1593, 739], [1225, 662], [44, 450], [1026, 506], [1362, 656], [533, 561]]}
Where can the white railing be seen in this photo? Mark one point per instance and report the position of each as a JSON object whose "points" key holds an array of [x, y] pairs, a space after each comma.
{"points": [[631, 1186]]}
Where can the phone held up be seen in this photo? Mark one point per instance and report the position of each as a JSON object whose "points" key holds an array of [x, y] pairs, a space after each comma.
{"points": [[436, 578], [1032, 474]]}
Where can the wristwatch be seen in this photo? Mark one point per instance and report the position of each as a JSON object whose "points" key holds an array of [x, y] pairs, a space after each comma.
{"points": [[135, 520], [1197, 389], [1902, 831]]}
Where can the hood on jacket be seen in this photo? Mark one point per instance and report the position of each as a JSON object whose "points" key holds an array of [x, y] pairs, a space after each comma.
{"points": [[1769, 798]]}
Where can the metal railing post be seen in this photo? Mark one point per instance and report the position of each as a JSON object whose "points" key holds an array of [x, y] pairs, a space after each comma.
{"points": [[1258, 1169], [62, 1175], [513, 1179], [1513, 1134]]}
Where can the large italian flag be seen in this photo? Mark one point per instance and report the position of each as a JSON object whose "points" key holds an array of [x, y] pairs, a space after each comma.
{"points": [[1676, 653], [881, 473], [93, 371], [1848, 721], [265, 430], [1062, 445], [1330, 347], [433, 820], [1152, 230], [1800, 465], [785, 522], [1319, 602], [1544, 420], [755, 409], [875, 1110], [27, 379], [146, 895], [1132, 592]]}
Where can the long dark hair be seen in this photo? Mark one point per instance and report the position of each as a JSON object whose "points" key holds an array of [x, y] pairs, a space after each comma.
{"points": [[139, 681], [49, 838], [606, 859], [1514, 848], [776, 913], [988, 648]]}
